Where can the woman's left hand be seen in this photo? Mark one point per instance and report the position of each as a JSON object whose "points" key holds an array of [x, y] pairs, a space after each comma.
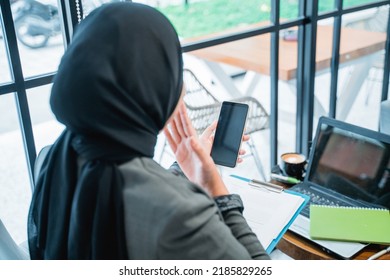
{"points": [[194, 160]]}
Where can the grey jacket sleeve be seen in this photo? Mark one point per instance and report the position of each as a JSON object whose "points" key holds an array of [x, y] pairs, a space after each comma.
{"points": [[198, 231], [231, 208]]}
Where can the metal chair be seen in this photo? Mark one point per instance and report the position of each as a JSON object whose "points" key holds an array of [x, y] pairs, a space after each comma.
{"points": [[203, 108]]}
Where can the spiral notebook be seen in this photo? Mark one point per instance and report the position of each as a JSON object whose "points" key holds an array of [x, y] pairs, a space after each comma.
{"points": [[350, 224]]}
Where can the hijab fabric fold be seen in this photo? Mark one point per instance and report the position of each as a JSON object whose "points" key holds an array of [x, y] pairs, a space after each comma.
{"points": [[118, 83]]}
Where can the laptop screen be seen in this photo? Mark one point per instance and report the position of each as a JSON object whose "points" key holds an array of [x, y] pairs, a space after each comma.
{"points": [[353, 161]]}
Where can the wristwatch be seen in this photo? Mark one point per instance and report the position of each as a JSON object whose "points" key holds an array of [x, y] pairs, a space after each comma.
{"points": [[229, 202]]}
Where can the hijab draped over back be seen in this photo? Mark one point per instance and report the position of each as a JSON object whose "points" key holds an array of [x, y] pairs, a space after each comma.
{"points": [[118, 83]]}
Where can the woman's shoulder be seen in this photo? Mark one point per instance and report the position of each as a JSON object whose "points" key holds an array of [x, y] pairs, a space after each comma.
{"points": [[145, 176], [146, 170]]}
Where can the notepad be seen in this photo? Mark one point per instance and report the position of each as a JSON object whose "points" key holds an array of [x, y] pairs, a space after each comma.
{"points": [[268, 213], [350, 224]]}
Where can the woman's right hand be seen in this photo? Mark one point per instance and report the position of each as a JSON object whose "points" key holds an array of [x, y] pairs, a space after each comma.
{"points": [[194, 160], [207, 139]]}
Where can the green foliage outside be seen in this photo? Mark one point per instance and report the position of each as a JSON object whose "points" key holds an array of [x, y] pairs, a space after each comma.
{"points": [[210, 16]]}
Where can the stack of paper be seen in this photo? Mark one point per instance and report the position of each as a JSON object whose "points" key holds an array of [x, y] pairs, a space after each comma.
{"points": [[268, 213]]}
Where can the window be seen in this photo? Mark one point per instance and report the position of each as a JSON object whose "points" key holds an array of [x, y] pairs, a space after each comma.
{"points": [[33, 45], [15, 188]]}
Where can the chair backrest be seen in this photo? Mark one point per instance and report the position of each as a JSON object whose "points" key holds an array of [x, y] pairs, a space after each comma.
{"points": [[9, 250], [202, 107], [258, 118], [197, 94]]}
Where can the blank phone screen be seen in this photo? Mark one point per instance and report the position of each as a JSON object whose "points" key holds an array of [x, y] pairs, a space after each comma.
{"points": [[228, 135]]}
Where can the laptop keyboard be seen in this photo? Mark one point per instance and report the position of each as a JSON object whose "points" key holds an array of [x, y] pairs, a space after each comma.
{"points": [[315, 198]]}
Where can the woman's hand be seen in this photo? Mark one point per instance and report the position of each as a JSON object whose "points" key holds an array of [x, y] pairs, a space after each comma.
{"points": [[207, 139], [194, 160]]}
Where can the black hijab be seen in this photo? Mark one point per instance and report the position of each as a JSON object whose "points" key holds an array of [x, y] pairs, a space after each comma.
{"points": [[118, 83]]}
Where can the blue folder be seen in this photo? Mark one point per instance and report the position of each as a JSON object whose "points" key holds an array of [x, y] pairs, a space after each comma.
{"points": [[273, 244]]}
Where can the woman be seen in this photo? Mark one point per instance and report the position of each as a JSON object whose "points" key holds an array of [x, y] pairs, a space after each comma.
{"points": [[99, 194]]}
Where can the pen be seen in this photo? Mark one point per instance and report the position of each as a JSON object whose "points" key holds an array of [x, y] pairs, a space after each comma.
{"points": [[380, 253], [268, 186], [285, 179]]}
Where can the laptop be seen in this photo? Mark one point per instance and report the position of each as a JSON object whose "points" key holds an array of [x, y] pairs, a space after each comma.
{"points": [[347, 166]]}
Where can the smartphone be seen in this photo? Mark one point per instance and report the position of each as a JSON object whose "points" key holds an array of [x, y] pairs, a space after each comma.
{"points": [[228, 134]]}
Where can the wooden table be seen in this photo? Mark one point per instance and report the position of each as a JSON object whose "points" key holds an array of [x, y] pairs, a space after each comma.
{"points": [[300, 248], [253, 55]]}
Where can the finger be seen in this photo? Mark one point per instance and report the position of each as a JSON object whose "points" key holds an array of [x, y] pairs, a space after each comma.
{"points": [[245, 137], [174, 131], [239, 160], [199, 151], [209, 130], [188, 128], [242, 152], [179, 126], [170, 139]]}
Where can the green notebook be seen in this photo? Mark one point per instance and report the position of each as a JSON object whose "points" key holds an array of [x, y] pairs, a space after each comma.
{"points": [[350, 224]]}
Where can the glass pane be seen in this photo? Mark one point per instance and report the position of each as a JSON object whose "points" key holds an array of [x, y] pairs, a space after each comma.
{"points": [[350, 3], [200, 18], [323, 61], [329, 5], [288, 64], [15, 189], [289, 10], [326, 6], [45, 126], [90, 5], [5, 75], [39, 33], [361, 68]]}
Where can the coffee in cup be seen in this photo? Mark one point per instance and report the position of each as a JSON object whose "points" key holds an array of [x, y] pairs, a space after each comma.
{"points": [[294, 165]]}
